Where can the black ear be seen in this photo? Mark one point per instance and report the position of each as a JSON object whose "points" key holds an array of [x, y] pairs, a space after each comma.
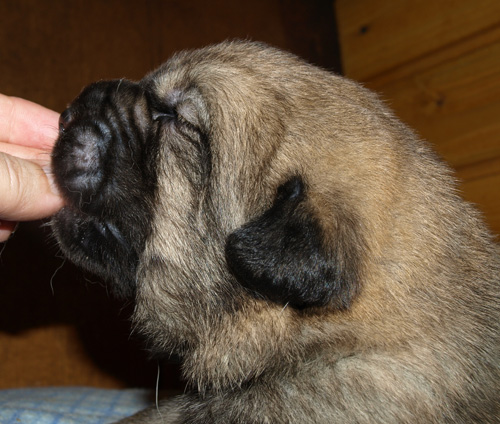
{"points": [[281, 255]]}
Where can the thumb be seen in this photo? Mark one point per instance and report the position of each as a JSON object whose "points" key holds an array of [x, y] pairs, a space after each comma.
{"points": [[26, 193]]}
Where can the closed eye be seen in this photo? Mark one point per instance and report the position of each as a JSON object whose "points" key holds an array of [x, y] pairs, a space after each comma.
{"points": [[164, 115], [161, 112]]}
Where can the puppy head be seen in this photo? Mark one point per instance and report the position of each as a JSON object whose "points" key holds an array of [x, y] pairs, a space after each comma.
{"points": [[234, 175]]}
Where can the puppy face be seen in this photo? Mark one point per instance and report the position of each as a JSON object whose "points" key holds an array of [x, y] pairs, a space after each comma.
{"points": [[260, 211], [207, 187], [229, 177]]}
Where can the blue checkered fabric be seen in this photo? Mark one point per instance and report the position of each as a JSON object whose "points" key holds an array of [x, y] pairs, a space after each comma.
{"points": [[70, 405]]}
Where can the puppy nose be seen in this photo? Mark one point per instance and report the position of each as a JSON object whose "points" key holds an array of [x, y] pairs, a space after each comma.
{"points": [[100, 139], [79, 159]]}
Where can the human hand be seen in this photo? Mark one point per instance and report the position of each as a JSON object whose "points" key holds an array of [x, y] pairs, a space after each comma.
{"points": [[27, 134]]}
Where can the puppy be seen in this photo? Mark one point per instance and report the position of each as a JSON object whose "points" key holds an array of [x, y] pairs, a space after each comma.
{"points": [[302, 251]]}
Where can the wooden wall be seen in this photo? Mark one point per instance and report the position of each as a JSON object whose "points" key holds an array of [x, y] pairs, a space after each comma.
{"points": [[57, 325], [437, 63]]}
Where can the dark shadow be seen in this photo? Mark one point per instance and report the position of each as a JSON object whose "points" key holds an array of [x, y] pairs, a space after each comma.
{"points": [[39, 288], [311, 31]]}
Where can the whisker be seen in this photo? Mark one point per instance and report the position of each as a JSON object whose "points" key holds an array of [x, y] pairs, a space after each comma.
{"points": [[157, 390], [54, 274]]}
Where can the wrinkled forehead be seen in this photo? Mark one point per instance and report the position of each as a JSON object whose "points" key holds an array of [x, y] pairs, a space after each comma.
{"points": [[203, 87], [183, 71], [221, 71], [176, 88]]}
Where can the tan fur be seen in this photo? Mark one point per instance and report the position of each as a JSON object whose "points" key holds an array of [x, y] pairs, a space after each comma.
{"points": [[420, 342]]}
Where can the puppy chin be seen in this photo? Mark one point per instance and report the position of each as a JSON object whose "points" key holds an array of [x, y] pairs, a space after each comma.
{"points": [[99, 247]]}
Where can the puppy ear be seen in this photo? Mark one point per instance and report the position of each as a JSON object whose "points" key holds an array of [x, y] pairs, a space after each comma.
{"points": [[281, 255]]}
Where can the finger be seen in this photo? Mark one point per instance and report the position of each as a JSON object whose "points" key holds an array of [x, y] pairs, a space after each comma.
{"points": [[27, 123], [38, 156], [26, 191]]}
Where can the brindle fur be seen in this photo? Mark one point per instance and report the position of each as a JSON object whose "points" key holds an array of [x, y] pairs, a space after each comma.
{"points": [[305, 253]]}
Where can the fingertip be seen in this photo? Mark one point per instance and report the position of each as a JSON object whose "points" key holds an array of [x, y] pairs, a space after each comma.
{"points": [[28, 194], [31, 124]]}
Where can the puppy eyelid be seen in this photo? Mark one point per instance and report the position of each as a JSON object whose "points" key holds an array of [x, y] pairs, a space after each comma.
{"points": [[159, 110], [164, 115]]}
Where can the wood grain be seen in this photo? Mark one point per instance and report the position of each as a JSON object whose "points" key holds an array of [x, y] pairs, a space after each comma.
{"points": [[378, 35], [437, 64]]}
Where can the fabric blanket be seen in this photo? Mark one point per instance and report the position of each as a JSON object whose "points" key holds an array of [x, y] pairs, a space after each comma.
{"points": [[70, 405]]}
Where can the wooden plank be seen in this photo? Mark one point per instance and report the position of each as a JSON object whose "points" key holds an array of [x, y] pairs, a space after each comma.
{"points": [[479, 170], [379, 35], [452, 52], [484, 193], [455, 103]]}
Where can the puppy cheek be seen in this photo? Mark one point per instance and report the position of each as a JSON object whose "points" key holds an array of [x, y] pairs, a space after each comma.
{"points": [[281, 255]]}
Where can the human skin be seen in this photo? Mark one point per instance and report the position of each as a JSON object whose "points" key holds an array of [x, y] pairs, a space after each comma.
{"points": [[27, 134]]}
